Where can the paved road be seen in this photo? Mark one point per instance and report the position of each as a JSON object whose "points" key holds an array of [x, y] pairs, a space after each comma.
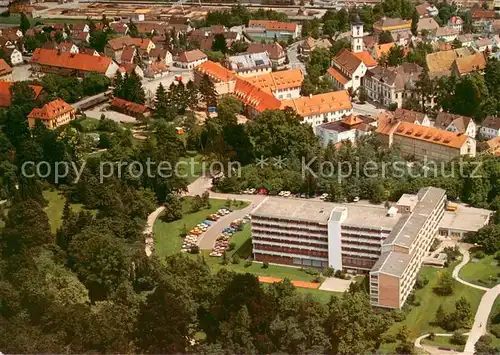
{"points": [[148, 231], [292, 52], [366, 109]]}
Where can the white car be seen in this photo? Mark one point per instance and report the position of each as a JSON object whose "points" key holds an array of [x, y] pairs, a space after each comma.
{"points": [[287, 194], [251, 191], [324, 196], [356, 199]]}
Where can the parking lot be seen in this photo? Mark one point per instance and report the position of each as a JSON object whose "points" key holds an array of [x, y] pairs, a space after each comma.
{"points": [[21, 72]]}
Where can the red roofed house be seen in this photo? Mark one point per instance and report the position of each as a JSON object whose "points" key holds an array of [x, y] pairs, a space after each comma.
{"points": [[191, 59], [53, 114], [224, 80], [156, 69], [275, 50], [271, 29], [5, 71], [6, 94], [52, 61], [115, 46], [346, 70], [129, 108]]}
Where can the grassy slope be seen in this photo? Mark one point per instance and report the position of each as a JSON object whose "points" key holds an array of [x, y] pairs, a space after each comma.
{"points": [[419, 319], [479, 272], [443, 342], [494, 311], [55, 208], [193, 169]]}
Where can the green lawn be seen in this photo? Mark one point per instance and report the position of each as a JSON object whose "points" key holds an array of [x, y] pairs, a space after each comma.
{"points": [[443, 342], [191, 167], [167, 235], [419, 319], [484, 272], [494, 311], [55, 208], [320, 295]]}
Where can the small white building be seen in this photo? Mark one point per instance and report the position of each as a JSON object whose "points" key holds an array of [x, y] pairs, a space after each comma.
{"points": [[191, 59], [349, 129], [446, 34], [490, 128], [16, 57]]}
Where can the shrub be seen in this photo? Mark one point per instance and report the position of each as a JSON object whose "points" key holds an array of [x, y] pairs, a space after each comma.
{"points": [[340, 274], [248, 263], [265, 265], [431, 336], [231, 246], [328, 272], [445, 285], [458, 338], [389, 338], [195, 250], [479, 254], [235, 259], [421, 282], [398, 315], [495, 330], [318, 279], [310, 271]]}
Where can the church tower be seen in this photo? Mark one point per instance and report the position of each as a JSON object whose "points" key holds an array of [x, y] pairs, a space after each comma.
{"points": [[357, 44]]}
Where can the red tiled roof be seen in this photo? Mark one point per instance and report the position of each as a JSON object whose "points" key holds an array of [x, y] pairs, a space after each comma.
{"points": [[51, 110], [279, 80], [347, 60], [215, 71], [275, 50], [321, 103], [340, 77], [6, 95], [366, 58], [120, 42], [254, 97], [83, 62], [273, 25], [158, 67], [478, 14], [128, 54], [4, 67], [192, 56], [127, 105]]}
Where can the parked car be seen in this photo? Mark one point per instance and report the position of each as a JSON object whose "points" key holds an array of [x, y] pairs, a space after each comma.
{"points": [[324, 196]]}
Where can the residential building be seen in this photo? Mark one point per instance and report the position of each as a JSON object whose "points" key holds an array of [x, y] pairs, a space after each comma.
{"points": [[466, 65], [275, 51], [128, 55], [310, 44], [129, 68], [63, 46], [53, 114], [321, 108], [496, 41], [394, 274], [129, 108], [423, 142], [346, 71], [492, 146], [249, 64], [456, 123], [15, 56], [490, 128], [6, 94], [426, 10], [89, 51], [156, 69], [63, 63], [81, 38], [115, 46], [160, 54], [466, 39], [379, 50], [391, 25], [389, 85], [253, 98], [349, 129], [444, 34], [441, 63], [427, 24], [119, 28], [272, 29], [5, 71], [224, 80], [284, 85], [190, 59], [80, 27], [462, 221], [456, 22], [418, 118], [483, 44]]}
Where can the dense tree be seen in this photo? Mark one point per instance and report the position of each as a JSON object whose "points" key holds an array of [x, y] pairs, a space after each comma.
{"points": [[385, 37], [95, 83], [414, 22], [219, 43], [25, 23], [207, 91], [488, 237], [130, 88]]}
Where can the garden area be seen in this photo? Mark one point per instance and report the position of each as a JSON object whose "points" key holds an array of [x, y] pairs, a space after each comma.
{"points": [[482, 270], [169, 234], [447, 342], [420, 315], [55, 206]]}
